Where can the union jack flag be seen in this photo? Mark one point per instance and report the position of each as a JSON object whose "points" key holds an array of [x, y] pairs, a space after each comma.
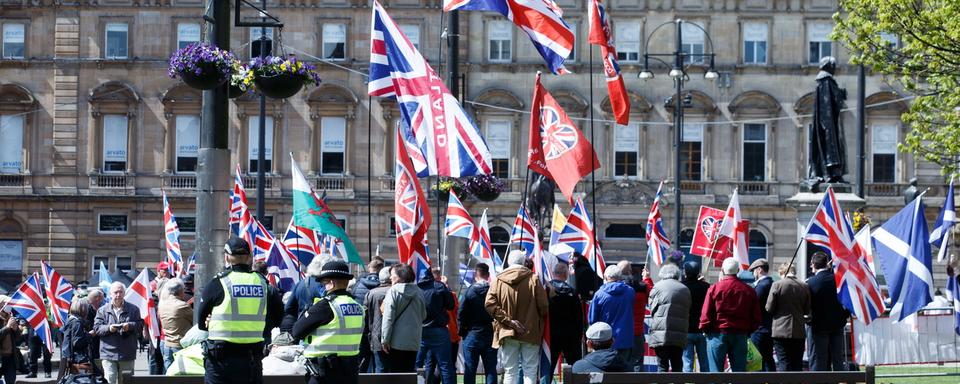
{"points": [[657, 241], [171, 233], [542, 20], [579, 235], [59, 293], [28, 302], [284, 266], [481, 248], [601, 35], [857, 288], [458, 222], [259, 238], [524, 233], [302, 242], [440, 138], [238, 202], [191, 265], [412, 216]]}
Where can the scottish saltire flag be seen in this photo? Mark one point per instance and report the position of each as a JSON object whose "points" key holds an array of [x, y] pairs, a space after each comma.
{"points": [[953, 294], [542, 20], [411, 214], [736, 230], [557, 223], [657, 241], [103, 277], [940, 236], [857, 287], [481, 248], [257, 236], [302, 242], [238, 202], [458, 222], [524, 233], [284, 266], [467, 276], [171, 236], [59, 293], [602, 35], [138, 294], [28, 302], [310, 211], [441, 139], [902, 245], [579, 235]]}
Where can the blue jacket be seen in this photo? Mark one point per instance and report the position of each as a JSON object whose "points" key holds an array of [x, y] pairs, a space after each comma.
{"points": [[613, 304], [473, 316], [438, 300], [364, 285], [604, 360]]}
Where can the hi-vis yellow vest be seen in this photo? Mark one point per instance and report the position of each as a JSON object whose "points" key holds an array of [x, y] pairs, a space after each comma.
{"points": [[341, 336], [188, 361], [241, 317]]}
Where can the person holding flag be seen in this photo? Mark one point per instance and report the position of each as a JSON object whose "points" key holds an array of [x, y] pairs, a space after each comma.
{"points": [[11, 334]]}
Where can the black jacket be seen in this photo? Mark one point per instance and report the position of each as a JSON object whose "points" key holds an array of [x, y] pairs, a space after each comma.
{"points": [[473, 316], [763, 292], [826, 312], [438, 300], [586, 279], [364, 285], [566, 312], [604, 360], [698, 293], [77, 345]]}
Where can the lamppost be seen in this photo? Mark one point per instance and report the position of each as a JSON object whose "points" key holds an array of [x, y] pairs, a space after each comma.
{"points": [[679, 75]]}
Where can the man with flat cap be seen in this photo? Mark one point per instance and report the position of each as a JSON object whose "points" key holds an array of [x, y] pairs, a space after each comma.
{"points": [[332, 329], [237, 307], [602, 356]]}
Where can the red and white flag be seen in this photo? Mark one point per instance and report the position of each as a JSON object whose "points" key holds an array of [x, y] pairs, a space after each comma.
{"points": [[138, 294], [557, 149], [601, 35], [736, 230]]}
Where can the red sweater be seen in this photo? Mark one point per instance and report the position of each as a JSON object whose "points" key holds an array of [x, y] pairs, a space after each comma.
{"points": [[730, 307], [640, 306]]}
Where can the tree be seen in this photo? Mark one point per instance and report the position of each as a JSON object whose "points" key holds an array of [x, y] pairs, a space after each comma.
{"points": [[915, 43]]}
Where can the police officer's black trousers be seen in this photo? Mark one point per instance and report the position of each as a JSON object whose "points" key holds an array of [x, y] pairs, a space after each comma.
{"points": [[340, 370], [224, 366]]}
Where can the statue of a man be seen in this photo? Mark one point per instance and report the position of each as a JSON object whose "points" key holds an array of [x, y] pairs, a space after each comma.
{"points": [[828, 150]]}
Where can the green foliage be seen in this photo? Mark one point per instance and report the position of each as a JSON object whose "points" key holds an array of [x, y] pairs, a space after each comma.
{"points": [[926, 62]]}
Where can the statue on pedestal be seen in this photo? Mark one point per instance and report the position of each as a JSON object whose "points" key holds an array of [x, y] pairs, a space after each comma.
{"points": [[828, 150]]}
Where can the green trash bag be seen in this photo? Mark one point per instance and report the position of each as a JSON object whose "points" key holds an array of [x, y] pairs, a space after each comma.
{"points": [[754, 359]]}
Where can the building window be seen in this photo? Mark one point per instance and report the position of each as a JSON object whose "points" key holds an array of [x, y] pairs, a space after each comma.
{"points": [[393, 227], [255, 42], [267, 222], [625, 231], [114, 143], [693, 39], [188, 142], [413, 33], [124, 264], [13, 41], [97, 262], [626, 149], [111, 223], [187, 224], [333, 144], [818, 38], [754, 152], [498, 140], [116, 41], [500, 41], [884, 139], [573, 49], [334, 41], [757, 246], [11, 147], [755, 43], [627, 35], [499, 239], [187, 33], [253, 150], [691, 152]]}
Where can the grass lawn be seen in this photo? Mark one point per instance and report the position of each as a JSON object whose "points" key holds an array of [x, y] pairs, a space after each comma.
{"points": [[952, 368]]}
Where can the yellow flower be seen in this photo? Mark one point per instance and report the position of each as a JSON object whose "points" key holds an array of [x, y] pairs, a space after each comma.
{"points": [[283, 67], [299, 65]]}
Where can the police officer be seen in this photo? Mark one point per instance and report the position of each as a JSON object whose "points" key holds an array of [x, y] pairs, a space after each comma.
{"points": [[332, 329], [238, 307]]}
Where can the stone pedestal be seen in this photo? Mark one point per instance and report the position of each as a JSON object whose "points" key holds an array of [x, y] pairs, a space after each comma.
{"points": [[806, 204]]}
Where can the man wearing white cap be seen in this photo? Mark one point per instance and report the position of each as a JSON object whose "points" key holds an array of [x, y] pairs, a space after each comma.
{"points": [[602, 357]]}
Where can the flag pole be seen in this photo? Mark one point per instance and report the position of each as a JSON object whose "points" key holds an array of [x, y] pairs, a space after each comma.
{"points": [[593, 159], [369, 178]]}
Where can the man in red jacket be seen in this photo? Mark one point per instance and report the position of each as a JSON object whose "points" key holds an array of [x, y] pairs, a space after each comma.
{"points": [[730, 313], [641, 294]]}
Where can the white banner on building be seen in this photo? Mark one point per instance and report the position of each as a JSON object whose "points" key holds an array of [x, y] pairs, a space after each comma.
{"points": [[333, 134], [11, 145], [11, 255], [115, 138]]}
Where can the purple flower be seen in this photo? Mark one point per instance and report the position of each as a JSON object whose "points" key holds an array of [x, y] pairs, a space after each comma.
{"points": [[275, 65], [197, 57]]}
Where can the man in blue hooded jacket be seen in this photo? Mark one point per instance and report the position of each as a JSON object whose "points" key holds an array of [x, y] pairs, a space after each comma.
{"points": [[613, 304]]}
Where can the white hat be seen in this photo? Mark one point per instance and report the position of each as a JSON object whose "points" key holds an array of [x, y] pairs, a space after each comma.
{"points": [[599, 331]]}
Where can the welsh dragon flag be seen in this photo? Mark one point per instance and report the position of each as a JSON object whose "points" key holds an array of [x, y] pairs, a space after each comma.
{"points": [[312, 213]]}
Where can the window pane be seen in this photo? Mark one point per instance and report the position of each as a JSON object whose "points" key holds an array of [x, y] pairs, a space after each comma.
{"points": [[331, 163], [116, 41], [124, 263], [748, 52], [627, 38], [187, 224], [498, 138], [758, 246], [255, 41], [13, 41], [884, 138], [112, 223], [754, 161], [413, 33], [253, 149], [11, 147], [761, 52], [754, 132], [692, 34], [332, 143], [690, 153], [814, 52], [884, 168], [499, 238], [625, 163], [188, 142], [334, 41], [187, 33], [501, 168], [114, 143], [95, 265], [625, 231]]}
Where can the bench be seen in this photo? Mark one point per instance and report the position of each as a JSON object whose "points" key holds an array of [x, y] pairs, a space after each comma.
{"points": [[867, 377]]}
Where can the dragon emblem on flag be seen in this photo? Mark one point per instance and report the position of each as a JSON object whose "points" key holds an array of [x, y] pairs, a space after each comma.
{"points": [[558, 137]]}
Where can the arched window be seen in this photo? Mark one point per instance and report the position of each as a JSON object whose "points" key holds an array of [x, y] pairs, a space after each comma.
{"points": [[181, 108], [500, 239], [757, 245], [16, 107], [113, 134]]}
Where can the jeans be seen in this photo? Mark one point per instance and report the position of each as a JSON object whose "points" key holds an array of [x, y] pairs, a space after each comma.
{"points": [[721, 346], [113, 370], [637, 354], [764, 344], [168, 352], [827, 351], [669, 358], [476, 347], [435, 349], [517, 353], [789, 353], [696, 346]]}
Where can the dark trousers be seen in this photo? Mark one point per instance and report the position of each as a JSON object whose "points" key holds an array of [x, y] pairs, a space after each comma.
{"points": [[790, 353], [8, 364], [380, 362], [234, 367], [827, 351], [476, 347], [339, 370], [366, 356], [669, 358], [764, 344], [155, 360], [398, 361], [37, 348], [568, 345]]}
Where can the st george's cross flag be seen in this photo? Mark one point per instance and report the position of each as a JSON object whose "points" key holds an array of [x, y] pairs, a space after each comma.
{"points": [[657, 241], [171, 237], [734, 230], [59, 293], [440, 137], [601, 34], [940, 236], [458, 222], [411, 214], [238, 202], [311, 212], [558, 150], [139, 295], [542, 20], [902, 245], [27, 301]]}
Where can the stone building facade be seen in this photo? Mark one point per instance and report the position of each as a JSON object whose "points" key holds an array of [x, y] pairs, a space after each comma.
{"points": [[93, 129]]}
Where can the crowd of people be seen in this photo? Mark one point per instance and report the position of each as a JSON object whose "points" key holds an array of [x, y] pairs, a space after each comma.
{"points": [[333, 325]]}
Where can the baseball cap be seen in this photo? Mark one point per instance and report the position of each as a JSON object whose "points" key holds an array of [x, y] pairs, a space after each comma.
{"points": [[599, 331], [163, 265], [236, 246]]}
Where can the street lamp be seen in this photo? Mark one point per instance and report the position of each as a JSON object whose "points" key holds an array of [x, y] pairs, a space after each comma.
{"points": [[679, 75]]}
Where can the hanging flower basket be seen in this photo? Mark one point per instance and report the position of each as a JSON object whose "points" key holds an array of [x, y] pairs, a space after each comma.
{"points": [[241, 80], [201, 66], [448, 184], [485, 187], [280, 78]]}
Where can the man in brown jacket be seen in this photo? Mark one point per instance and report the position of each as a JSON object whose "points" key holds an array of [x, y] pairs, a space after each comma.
{"points": [[788, 303], [176, 318], [518, 304]]}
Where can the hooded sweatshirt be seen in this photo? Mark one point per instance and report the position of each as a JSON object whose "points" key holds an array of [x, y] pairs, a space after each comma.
{"points": [[613, 304], [364, 285], [516, 294], [403, 314]]}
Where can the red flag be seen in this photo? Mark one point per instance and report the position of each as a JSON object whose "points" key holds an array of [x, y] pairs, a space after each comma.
{"points": [[706, 235], [557, 148], [600, 35]]}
